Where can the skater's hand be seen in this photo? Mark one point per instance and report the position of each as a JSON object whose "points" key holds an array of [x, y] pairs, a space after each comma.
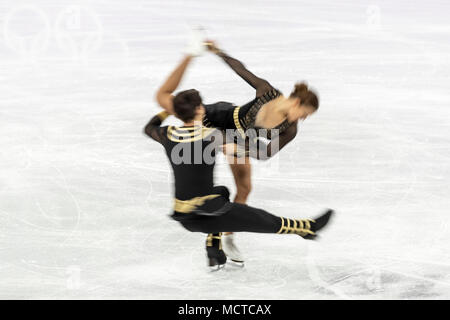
{"points": [[212, 46], [196, 46]]}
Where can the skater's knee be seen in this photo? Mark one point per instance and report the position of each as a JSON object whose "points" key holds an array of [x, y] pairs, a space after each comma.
{"points": [[244, 189], [242, 177]]}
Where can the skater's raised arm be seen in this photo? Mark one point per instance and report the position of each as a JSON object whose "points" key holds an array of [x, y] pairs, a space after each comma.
{"points": [[164, 95], [261, 85], [153, 128]]}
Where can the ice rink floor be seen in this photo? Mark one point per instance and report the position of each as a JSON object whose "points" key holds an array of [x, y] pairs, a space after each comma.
{"points": [[85, 196]]}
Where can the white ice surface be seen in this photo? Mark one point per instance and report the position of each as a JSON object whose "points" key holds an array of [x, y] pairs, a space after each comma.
{"points": [[85, 197]]}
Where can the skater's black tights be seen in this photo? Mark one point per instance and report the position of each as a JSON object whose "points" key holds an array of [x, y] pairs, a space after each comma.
{"points": [[240, 218]]}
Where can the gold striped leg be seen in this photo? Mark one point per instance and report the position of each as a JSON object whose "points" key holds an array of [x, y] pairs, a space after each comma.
{"points": [[237, 122]]}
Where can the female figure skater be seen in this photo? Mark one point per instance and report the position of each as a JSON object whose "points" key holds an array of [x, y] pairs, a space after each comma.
{"points": [[268, 110], [199, 205]]}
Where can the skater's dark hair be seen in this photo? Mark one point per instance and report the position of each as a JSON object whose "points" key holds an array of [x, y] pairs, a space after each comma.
{"points": [[306, 96], [184, 104]]}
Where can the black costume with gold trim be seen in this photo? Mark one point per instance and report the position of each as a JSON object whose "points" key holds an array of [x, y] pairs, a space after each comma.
{"points": [[225, 115], [194, 179], [248, 112]]}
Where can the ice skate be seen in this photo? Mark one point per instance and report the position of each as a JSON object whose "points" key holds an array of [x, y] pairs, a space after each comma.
{"points": [[231, 250], [319, 223], [216, 256]]}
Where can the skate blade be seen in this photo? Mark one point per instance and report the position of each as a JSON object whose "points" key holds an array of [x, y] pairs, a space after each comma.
{"points": [[236, 263], [214, 265], [216, 268]]}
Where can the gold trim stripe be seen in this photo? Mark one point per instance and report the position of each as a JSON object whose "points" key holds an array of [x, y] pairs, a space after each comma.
{"points": [[163, 115], [191, 134], [282, 225], [188, 128], [209, 240], [236, 121], [200, 133], [187, 206], [210, 237]]}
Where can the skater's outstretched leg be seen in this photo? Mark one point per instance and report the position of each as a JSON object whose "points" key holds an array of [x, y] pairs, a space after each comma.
{"points": [[243, 218]]}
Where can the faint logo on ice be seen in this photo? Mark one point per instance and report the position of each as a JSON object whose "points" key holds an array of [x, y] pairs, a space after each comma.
{"points": [[78, 32], [369, 279], [373, 17], [73, 281], [27, 31], [316, 276]]}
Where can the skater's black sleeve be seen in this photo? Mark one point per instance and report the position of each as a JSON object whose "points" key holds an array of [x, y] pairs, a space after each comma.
{"points": [[256, 148], [153, 128], [263, 151], [261, 85]]}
